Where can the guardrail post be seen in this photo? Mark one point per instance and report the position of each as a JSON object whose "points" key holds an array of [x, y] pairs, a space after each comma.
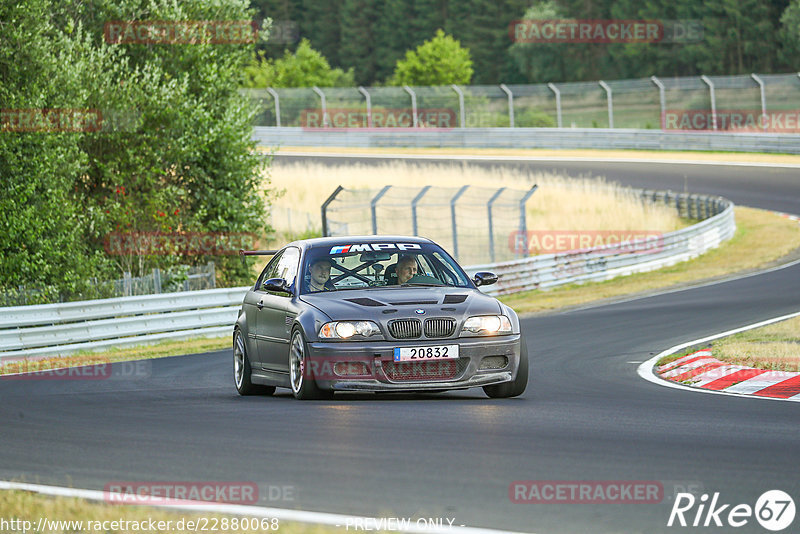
{"points": [[523, 224], [491, 223], [326, 121], [277, 101], [555, 90], [760, 83], [414, 208], [507, 91], [609, 97], [373, 206], [408, 90], [330, 199], [453, 218], [369, 105], [662, 100], [713, 100], [460, 94]]}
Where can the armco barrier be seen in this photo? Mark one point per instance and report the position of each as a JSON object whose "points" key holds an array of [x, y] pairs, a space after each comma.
{"points": [[61, 329], [553, 138]]}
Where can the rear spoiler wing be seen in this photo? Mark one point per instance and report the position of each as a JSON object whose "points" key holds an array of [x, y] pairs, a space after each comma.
{"points": [[244, 253]]}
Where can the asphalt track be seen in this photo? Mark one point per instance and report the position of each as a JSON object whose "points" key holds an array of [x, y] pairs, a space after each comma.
{"points": [[586, 416]]}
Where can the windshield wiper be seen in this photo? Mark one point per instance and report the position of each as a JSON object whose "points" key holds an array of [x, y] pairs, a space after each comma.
{"points": [[422, 284]]}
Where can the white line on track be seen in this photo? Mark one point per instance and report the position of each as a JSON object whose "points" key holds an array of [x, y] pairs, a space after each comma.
{"points": [[474, 157], [300, 516], [645, 370]]}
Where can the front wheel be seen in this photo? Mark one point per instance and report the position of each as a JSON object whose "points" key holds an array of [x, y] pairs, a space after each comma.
{"points": [[300, 375], [242, 370], [517, 386]]}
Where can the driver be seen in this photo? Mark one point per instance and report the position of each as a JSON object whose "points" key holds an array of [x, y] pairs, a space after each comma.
{"points": [[406, 269], [320, 275]]}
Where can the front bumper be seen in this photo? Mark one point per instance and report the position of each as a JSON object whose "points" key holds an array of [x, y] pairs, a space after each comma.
{"points": [[370, 366]]}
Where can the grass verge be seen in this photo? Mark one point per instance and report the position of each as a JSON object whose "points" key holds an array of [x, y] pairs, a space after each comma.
{"points": [[775, 347], [70, 515], [161, 350], [761, 238]]}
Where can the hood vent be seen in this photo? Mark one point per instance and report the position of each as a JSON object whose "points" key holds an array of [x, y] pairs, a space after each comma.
{"points": [[413, 302], [454, 299], [363, 301]]}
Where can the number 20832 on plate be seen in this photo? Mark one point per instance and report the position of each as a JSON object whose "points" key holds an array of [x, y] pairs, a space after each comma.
{"points": [[415, 354]]}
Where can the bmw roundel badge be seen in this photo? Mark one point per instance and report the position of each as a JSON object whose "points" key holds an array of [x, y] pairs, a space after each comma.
{"points": [[419, 311]]}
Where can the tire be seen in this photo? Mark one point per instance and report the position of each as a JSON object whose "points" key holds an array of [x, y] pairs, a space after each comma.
{"points": [[517, 386], [242, 370], [301, 380]]}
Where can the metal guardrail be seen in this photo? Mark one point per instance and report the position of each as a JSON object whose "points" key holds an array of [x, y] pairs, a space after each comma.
{"points": [[604, 263], [553, 138], [61, 329]]}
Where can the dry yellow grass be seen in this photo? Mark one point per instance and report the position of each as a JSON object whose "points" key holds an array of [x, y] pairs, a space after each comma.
{"points": [[776, 346], [559, 203], [31, 507]]}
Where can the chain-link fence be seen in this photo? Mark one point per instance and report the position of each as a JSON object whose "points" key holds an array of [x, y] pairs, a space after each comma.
{"points": [[753, 103], [473, 223]]}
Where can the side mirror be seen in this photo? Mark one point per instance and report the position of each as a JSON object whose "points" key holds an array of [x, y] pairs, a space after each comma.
{"points": [[484, 278], [278, 285]]}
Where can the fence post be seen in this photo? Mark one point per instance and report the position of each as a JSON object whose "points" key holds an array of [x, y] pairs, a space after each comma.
{"points": [[523, 224], [555, 90], [510, 105], [277, 100], [408, 90], [325, 210], [453, 218], [212, 273], [662, 100], [760, 83], [325, 119], [414, 208], [710, 85], [609, 97], [491, 223], [157, 280], [127, 284], [460, 94], [369, 105], [373, 205]]}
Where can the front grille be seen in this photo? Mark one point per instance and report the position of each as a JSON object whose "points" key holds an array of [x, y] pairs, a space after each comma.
{"points": [[405, 328], [424, 371], [440, 327]]}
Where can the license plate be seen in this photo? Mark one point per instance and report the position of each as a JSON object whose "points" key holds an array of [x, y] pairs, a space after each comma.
{"points": [[420, 354]]}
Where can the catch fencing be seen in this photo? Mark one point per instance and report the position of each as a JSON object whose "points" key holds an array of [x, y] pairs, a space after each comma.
{"points": [[61, 329], [742, 103]]}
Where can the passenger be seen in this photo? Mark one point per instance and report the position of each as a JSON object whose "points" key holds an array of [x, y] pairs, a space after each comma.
{"points": [[406, 269]]}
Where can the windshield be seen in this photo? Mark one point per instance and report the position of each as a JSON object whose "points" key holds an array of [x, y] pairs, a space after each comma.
{"points": [[359, 266]]}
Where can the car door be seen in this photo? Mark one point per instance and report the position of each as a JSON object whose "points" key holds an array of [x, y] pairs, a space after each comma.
{"points": [[273, 317]]}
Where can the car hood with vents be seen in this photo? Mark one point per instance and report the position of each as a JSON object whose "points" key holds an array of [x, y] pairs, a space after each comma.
{"points": [[384, 304]]}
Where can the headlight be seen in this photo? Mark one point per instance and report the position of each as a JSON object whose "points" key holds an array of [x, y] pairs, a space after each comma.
{"points": [[486, 325], [348, 329]]}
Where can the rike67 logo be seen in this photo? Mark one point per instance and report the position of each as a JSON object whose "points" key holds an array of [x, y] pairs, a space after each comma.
{"points": [[774, 510]]}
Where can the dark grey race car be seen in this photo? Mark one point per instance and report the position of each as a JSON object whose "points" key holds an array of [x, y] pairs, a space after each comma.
{"points": [[374, 313]]}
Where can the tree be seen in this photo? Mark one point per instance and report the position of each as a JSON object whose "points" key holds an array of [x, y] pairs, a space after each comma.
{"points": [[790, 35], [440, 61], [304, 68]]}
